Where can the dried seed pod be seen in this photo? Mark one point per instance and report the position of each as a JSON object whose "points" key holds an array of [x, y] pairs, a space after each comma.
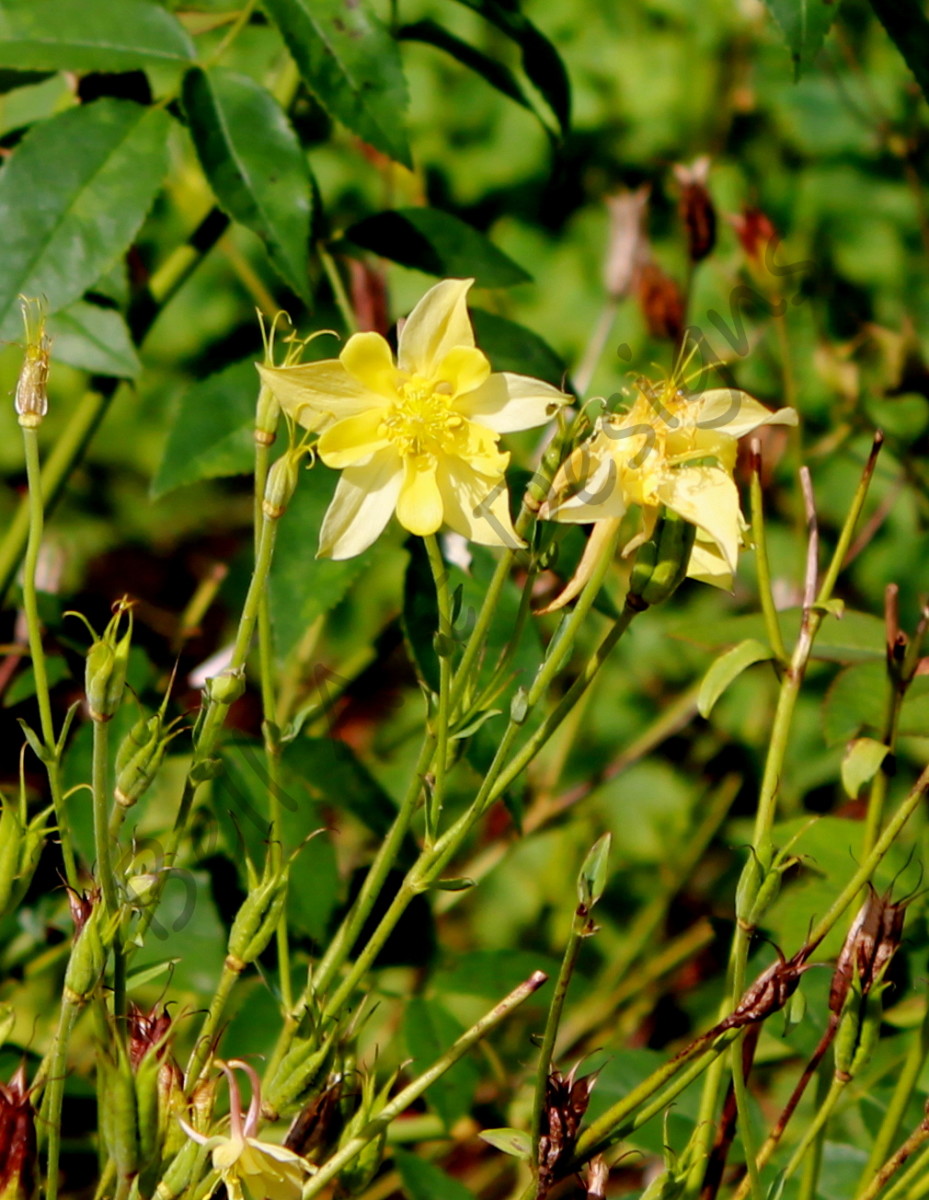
{"points": [[696, 208], [18, 1152], [566, 1100], [661, 303]]}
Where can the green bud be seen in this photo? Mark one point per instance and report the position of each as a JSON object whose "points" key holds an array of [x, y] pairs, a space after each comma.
{"points": [[519, 706], [119, 1114], [592, 878], [137, 765], [661, 562], [227, 687], [257, 919], [107, 661], [267, 415], [32, 386], [281, 484], [88, 955], [356, 1175]]}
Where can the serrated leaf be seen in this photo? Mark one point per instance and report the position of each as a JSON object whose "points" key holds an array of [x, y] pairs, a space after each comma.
{"points": [[513, 347], [72, 35], [254, 163], [515, 1142], [94, 339], [430, 1030], [804, 24], [351, 64], [212, 434], [541, 61], [861, 763], [727, 668], [439, 244], [96, 168], [423, 1180]]}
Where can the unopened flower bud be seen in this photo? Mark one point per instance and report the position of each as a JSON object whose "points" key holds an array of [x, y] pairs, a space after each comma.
{"points": [[139, 756], [281, 485], [267, 415], [358, 1173], [257, 919], [107, 662], [88, 955], [18, 1151], [31, 387], [226, 688]]}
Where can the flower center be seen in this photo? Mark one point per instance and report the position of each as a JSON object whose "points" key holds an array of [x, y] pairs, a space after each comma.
{"points": [[421, 420]]}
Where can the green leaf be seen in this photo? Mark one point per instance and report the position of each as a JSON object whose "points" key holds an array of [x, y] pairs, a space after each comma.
{"points": [[854, 637], [302, 586], [423, 1180], [331, 773], [72, 35], [496, 73], [515, 1142], [255, 165], [350, 62], [727, 668], [96, 168], [908, 27], [804, 24], [914, 714], [212, 434], [513, 347], [439, 244], [861, 763], [23, 686], [541, 61], [430, 1030], [856, 699], [593, 874], [95, 339]]}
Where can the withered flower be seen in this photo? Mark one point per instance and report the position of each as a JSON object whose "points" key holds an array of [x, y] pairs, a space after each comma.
{"points": [[18, 1151], [566, 1100], [696, 208]]}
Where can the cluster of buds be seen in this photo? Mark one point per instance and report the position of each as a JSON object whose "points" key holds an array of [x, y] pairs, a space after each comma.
{"points": [[140, 754], [140, 1095], [18, 1152], [566, 1100], [260, 914], [358, 1174], [858, 983]]}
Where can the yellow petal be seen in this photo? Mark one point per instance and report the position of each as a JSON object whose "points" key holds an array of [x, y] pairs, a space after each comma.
{"points": [[352, 440], [478, 446], [709, 499], [476, 505], [508, 402], [463, 369], [437, 324], [707, 565], [227, 1153], [731, 411], [364, 500], [419, 505], [314, 394], [586, 487], [368, 358]]}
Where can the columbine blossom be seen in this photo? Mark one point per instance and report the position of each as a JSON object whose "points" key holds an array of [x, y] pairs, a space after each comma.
{"points": [[417, 435], [251, 1169], [671, 449]]}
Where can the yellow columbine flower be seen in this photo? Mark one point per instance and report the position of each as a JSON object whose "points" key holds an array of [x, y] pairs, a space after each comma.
{"points": [[250, 1169], [673, 449], [418, 435]]}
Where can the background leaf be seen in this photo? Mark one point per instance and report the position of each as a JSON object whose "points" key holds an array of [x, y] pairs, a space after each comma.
{"points": [[212, 433], [804, 24], [430, 1030], [423, 1180], [97, 169], [255, 165], [95, 339], [71, 35], [513, 347], [351, 64], [437, 243]]}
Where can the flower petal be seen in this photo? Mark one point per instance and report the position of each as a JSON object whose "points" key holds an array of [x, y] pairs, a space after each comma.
{"points": [[367, 357], [464, 369], [728, 410], [352, 440], [317, 393], [708, 498], [419, 505], [477, 505], [707, 565], [362, 505], [437, 324], [507, 402], [587, 486]]}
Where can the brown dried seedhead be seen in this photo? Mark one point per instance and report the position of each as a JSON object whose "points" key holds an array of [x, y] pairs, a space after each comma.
{"points": [[566, 1100], [18, 1151]]}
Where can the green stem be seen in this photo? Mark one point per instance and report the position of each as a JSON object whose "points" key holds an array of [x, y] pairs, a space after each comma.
{"points": [[916, 1173], [339, 293], [817, 1125], [546, 1052], [206, 1038], [766, 595], [746, 1133], [100, 770], [443, 646], [54, 1095], [414, 1090], [478, 634], [36, 523]]}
